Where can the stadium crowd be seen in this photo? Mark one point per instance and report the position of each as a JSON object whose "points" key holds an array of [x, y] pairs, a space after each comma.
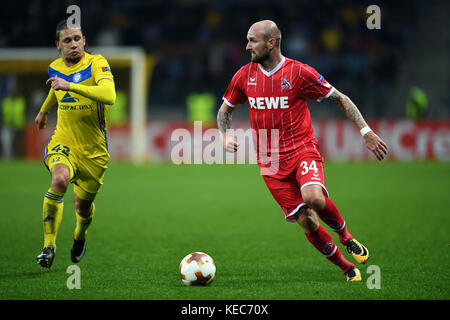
{"points": [[200, 44]]}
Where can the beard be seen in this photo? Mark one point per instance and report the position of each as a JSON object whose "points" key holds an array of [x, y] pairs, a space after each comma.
{"points": [[73, 60], [260, 58]]}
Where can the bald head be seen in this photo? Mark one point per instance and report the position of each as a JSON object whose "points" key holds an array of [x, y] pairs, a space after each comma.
{"points": [[268, 29], [264, 43]]}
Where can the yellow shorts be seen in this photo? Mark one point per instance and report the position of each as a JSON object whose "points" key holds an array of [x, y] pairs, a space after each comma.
{"points": [[86, 174]]}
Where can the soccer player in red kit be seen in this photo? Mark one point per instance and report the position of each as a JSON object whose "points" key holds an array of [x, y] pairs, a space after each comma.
{"points": [[276, 89]]}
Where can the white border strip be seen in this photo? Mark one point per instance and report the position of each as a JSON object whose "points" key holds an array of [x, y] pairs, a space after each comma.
{"points": [[342, 228], [289, 216], [334, 251], [228, 103], [271, 72], [328, 94], [313, 182]]}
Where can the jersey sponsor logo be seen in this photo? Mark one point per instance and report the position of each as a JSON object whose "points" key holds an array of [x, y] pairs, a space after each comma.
{"points": [[105, 69], [286, 84], [76, 107], [268, 103], [68, 98]]}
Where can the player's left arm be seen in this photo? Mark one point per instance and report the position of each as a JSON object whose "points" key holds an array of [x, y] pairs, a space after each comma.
{"points": [[103, 92], [373, 141]]}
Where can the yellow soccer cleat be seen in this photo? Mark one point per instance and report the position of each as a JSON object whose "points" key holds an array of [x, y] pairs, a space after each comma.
{"points": [[353, 275], [357, 250]]}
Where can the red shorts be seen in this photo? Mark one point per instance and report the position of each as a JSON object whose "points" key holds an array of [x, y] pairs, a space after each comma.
{"points": [[295, 174]]}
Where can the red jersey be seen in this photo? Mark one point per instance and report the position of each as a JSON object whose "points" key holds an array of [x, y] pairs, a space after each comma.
{"points": [[279, 112]]}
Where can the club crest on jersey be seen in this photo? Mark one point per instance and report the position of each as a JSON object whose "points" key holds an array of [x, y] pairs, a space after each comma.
{"points": [[76, 77], [286, 84]]}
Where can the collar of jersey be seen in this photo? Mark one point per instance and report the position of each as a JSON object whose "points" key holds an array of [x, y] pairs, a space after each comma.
{"points": [[82, 64], [271, 72]]}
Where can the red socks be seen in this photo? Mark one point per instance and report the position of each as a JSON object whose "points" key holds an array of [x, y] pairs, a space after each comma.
{"points": [[323, 242], [331, 216]]}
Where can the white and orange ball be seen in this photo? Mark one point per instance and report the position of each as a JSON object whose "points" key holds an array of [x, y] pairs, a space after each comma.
{"points": [[197, 269]]}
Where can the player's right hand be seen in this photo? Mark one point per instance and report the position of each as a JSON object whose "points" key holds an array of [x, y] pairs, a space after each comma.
{"points": [[41, 121], [229, 143]]}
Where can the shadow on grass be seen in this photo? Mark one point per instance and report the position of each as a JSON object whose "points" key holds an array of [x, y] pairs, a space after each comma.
{"points": [[39, 273]]}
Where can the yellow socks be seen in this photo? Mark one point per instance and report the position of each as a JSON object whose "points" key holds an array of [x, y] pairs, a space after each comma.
{"points": [[52, 213], [83, 224]]}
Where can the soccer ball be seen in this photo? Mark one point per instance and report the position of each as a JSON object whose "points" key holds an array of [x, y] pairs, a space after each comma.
{"points": [[197, 269]]}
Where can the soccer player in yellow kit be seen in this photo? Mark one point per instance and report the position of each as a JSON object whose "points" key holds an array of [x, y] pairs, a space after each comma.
{"points": [[82, 86]]}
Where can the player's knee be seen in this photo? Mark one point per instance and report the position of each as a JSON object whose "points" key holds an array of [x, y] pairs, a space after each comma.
{"points": [[303, 219], [317, 203], [83, 212], [60, 182], [307, 220], [315, 200], [83, 207]]}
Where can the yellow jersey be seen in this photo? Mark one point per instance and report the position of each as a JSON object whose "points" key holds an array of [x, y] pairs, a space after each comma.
{"points": [[83, 110]]}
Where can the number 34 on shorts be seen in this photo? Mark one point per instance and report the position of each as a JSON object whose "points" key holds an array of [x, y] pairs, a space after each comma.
{"points": [[310, 171]]}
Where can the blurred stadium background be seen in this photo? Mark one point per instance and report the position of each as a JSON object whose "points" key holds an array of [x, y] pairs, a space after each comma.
{"points": [[193, 47]]}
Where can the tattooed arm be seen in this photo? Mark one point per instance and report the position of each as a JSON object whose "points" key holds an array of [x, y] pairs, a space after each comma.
{"points": [[372, 141], [348, 108], [223, 124]]}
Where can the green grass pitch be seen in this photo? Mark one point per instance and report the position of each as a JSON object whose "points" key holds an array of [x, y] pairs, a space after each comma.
{"points": [[148, 218]]}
